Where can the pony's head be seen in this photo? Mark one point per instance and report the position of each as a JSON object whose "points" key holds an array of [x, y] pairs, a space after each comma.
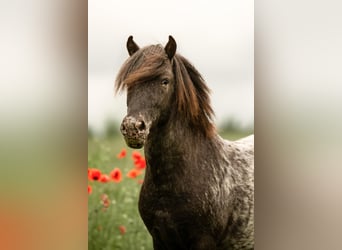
{"points": [[160, 84]]}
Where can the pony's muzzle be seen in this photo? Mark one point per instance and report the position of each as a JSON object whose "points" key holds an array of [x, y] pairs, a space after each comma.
{"points": [[134, 131]]}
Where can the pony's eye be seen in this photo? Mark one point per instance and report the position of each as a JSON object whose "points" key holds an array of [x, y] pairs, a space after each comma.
{"points": [[165, 81]]}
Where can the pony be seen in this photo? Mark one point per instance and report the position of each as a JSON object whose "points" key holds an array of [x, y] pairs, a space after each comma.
{"points": [[198, 191]]}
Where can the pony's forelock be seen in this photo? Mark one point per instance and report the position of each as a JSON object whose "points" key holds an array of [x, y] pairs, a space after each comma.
{"points": [[144, 65]]}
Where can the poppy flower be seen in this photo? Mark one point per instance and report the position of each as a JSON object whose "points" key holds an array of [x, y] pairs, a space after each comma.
{"points": [[94, 174], [122, 154], [88, 172], [122, 229], [140, 164], [140, 181], [133, 173], [104, 197], [139, 160], [105, 200], [90, 189], [104, 178], [116, 175], [136, 155]]}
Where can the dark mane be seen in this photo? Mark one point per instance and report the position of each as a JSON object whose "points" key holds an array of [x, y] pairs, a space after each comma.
{"points": [[191, 91]]}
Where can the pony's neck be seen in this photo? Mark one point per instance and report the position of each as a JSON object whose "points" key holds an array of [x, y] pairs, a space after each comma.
{"points": [[172, 151], [175, 140]]}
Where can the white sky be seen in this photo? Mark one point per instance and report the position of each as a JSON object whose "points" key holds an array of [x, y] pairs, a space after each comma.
{"points": [[216, 36]]}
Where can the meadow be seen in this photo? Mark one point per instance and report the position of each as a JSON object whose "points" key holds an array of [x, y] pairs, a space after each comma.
{"points": [[113, 217]]}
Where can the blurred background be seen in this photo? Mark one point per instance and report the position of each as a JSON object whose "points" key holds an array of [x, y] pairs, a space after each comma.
{"points": [[218, 38], [44, 95]]}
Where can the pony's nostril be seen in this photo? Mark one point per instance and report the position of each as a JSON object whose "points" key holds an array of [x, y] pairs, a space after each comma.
{"points": [[140, 125], [123, 129]]}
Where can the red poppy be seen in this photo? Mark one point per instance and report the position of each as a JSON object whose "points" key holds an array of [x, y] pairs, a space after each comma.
{"points": [[105, 200], [116, 175], [140, 164], [90, 189], [104, 197], [136, 155], [139, 160], [94, 174], [140, 181], [122, 229], [133, 173], [88, 172], [122, 154], [104, 178]]}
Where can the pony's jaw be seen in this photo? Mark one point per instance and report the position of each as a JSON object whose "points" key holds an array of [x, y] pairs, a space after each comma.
{"points": [[135, 131]]}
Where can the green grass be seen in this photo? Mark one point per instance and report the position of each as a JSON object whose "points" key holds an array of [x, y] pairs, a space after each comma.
{"points": [[232, 136], [103, 223]]}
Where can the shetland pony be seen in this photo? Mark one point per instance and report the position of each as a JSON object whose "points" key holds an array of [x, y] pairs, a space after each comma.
{"points": [[198, 191]]}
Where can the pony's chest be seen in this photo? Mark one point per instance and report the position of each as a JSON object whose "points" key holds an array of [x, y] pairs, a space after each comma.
{"points": [[183, 215], [176, 225], [179, 201], [170, 205]]}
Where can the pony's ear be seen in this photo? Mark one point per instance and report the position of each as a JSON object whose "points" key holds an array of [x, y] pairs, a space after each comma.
{"points": [[171, 47], [132, 47]]}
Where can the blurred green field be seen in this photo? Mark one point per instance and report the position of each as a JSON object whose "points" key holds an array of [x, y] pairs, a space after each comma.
{"points": [[104, 223]]}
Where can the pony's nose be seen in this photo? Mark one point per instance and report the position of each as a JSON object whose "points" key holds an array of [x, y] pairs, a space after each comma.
{"points": [[140, 125], [130, 124]]}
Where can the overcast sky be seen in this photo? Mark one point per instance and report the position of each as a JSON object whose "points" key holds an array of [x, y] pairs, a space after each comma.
{"points": [[216, 36]]}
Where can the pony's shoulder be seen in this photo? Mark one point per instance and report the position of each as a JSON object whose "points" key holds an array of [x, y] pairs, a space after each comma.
{"points": [[243, 147]]}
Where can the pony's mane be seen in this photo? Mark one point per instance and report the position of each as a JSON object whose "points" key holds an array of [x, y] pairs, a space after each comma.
{"points": [[191, 91]]}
